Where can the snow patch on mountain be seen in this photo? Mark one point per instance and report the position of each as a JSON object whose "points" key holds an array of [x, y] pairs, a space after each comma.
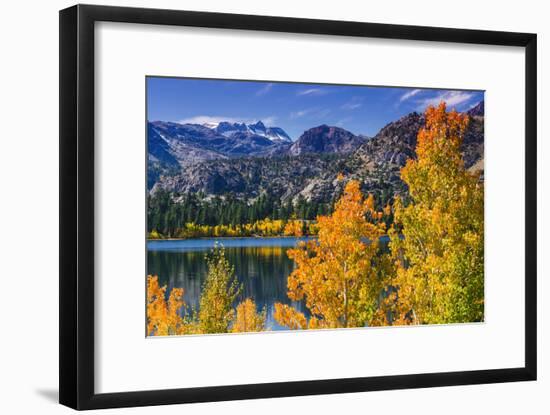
{"points": [[211, 125], [228, 129]]}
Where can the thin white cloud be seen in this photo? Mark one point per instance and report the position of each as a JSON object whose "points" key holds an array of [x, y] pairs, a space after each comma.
{"points": [[344, 121], [409, 94], [451, 98], [322, 113], [209, 119], [215, 119], [264, 90], [314, 113], [312, 92], [270, 121], [300, 113], [352, 104]]}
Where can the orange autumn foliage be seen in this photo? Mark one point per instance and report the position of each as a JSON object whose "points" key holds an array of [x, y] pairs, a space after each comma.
{"points": [[163, 318], [294, 227], [339, 275], [289, 317], [438, 243], [247, 319]]}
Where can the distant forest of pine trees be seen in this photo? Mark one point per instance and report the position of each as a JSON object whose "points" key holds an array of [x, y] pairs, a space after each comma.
{"points": [[171, 215], [167, 214]]}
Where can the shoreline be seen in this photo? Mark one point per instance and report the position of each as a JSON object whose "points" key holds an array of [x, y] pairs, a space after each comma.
{"points": [[228, 237], [240, 237]]}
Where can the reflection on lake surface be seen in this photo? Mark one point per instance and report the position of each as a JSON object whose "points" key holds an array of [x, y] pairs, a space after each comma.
{"points": [[261, 265]]}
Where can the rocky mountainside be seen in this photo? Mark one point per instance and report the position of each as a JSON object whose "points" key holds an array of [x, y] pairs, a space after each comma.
{"points": [[219, 142], [283, 176], [396, 142], [309, 167], [478, 109], [172, 146], [325, 139]]}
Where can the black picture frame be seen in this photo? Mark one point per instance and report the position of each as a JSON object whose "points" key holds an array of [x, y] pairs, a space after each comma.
{"points": [[76, 279]]}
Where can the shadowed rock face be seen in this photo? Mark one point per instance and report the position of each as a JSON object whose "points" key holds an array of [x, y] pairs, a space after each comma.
{"points": [[283, 177], [478, 110], [325, 139], [396, 142]]}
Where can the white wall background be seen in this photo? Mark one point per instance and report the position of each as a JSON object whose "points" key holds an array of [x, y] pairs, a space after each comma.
{"points": [[29, 207]]}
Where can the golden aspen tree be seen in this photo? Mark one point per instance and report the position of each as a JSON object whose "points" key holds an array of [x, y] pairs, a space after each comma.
{"points": [[289, 317], [437, 240], [339, 276], [294, 227], [220, 291], [247, 319], [163, 317]]}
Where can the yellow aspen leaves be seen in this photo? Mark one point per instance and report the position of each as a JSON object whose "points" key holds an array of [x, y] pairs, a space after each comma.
{"points": [[294, 227], [216, 304], [337, 275], [289, 317], [247, 318], [437, 239], [163, 317], [220, 290]]}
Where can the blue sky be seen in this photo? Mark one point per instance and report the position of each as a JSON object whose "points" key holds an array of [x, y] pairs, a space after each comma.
{"points": [[294, 107]]}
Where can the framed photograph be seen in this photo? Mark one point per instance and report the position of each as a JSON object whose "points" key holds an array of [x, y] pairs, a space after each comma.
{"points": [[258, 207]]}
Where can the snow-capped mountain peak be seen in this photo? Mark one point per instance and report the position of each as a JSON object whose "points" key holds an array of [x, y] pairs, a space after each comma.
{"points": [[258, 128]]}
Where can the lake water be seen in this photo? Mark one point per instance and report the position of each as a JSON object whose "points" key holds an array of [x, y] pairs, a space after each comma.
{"points": [[261, 265]]}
